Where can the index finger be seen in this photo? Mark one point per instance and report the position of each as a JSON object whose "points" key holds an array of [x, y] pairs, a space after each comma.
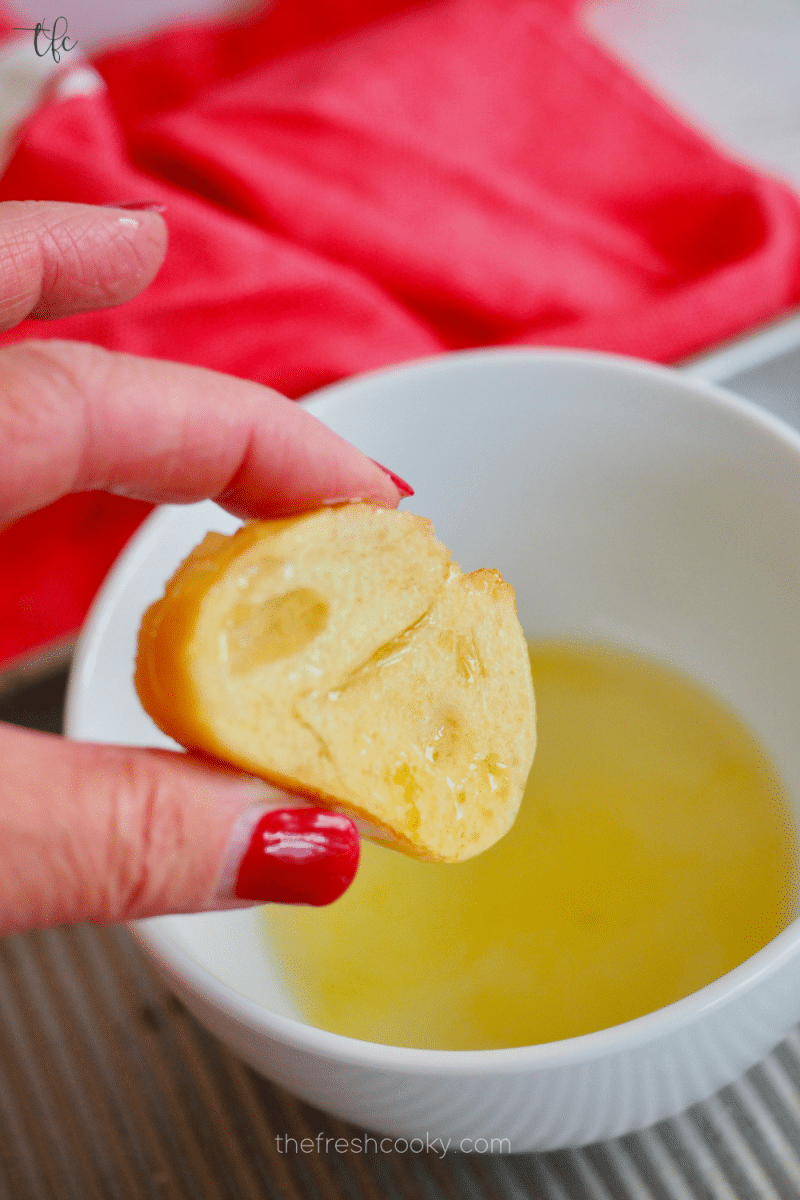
{"points": [[60, 258], [74, 417]]}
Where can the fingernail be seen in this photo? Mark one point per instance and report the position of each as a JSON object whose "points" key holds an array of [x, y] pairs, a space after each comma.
{"points": [[404, 488], [139, 205], [298, 856]]}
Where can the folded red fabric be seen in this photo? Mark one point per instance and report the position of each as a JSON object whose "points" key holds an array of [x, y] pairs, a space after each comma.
{"points": [[359, 182]]}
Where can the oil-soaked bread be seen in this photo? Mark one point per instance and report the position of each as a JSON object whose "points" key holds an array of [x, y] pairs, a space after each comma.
{"points": [[342, 655]]}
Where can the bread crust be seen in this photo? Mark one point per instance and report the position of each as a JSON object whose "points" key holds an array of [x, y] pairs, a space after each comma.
{"points": [[342, 655]]}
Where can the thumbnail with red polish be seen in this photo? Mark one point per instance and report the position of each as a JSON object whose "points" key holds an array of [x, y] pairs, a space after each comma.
{"points": [[299, 856]]}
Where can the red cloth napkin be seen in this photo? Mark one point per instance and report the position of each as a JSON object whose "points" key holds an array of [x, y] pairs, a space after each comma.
{"points": [[352, 183]]}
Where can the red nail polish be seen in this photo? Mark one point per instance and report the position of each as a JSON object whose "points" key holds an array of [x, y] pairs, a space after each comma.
{"points": [[139, 205], [299, 856], [404, 488]]}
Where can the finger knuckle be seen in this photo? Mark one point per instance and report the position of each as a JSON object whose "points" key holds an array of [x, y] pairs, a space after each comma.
{"points": [[145, 837], [46, 417]]}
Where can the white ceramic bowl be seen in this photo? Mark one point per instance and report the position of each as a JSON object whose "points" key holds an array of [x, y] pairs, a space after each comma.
{"points": [[625, 503]]}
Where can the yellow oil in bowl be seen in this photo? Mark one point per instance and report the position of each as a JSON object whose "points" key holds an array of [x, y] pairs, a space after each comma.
{"points": [[654, 851]]}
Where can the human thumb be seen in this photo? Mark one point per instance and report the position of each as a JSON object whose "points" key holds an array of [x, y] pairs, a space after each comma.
{"points": [[104, 833]]}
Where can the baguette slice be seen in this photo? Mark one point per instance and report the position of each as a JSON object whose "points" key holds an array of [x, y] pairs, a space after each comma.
{"points": [[342, 655]]}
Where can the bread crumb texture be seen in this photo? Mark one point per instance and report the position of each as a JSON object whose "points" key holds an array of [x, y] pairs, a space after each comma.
{"points": [[342, 655]]}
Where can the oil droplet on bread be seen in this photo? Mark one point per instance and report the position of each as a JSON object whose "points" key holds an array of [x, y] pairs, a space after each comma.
{"points": [[654, 851], [255, 634]]}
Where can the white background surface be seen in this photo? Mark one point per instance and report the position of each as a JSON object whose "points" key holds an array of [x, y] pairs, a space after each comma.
{"points": [[731, 66]]}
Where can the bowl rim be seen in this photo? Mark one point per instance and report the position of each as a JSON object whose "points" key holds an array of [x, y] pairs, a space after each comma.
{"points": [[191, 977], [605, 360]]}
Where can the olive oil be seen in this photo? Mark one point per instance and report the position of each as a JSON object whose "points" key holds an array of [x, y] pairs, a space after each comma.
{"points": [[653, 852]]}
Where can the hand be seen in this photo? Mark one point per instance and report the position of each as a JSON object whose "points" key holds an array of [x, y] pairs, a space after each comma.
{"points": [[102, 833]]}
